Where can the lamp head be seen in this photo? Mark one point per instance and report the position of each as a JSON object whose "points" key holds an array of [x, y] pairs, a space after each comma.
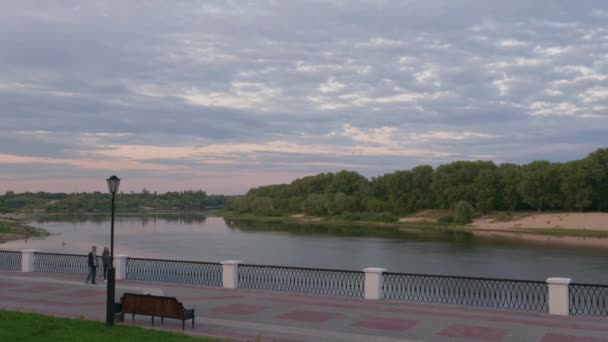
{"points": [[113, 183]]}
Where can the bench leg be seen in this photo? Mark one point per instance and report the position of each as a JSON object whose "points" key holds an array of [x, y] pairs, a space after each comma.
{"points": [[152, 320], [133, 317], [162, 320], [183, 324]]}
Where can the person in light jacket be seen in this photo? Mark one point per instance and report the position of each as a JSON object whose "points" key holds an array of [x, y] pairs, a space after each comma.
{"points": [[92, 263], [106, 261]]}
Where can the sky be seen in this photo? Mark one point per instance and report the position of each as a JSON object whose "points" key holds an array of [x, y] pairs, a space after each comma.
{"points": [[227, 95]]}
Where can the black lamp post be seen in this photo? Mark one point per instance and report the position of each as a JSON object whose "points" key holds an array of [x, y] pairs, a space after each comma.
{"points": [[113, 183]]}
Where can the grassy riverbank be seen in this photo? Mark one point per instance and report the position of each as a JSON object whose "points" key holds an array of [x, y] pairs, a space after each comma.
{"points": [[18, 326], [573, 225], [14, 230]]}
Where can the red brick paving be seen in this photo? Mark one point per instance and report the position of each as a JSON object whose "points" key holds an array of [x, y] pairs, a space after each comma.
{"points": [[8, 285], [386, 323], [240, 309], [309, 316], [38, 289], [551, 337], [475, 332], [46, 302], [83, 293]]}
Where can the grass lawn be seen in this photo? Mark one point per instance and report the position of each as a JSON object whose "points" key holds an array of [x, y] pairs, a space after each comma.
{"points": [[18, 326]]}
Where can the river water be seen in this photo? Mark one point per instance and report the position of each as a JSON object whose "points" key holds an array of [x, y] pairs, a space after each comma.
{"points": [[351, 247]]}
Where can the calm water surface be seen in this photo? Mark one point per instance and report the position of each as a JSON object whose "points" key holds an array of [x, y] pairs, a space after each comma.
{"points": [[196, 237]]}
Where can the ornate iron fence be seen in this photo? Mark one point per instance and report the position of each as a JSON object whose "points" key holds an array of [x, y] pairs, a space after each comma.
{"points": [[175, 271], [485, 292], [588, 299], [10, 261], [305, 280], [74, 264]]}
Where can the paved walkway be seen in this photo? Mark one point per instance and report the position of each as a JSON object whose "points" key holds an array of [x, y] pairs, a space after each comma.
{"points": [[244, 315]]}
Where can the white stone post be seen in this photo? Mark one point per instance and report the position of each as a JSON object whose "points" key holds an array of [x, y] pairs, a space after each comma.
{"points": [[230, 274], [120, 263], [559, 298], [373, 283], [28, 258]]}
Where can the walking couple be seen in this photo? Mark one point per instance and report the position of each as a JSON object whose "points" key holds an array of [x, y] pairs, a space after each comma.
{"points": [[93, 263]]}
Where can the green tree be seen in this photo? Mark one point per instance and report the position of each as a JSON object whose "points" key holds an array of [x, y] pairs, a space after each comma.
{"points": [[597, 166], [486, 187], [575, 186], [464, 212], [315, 205], [539, 185], [510, 178]]}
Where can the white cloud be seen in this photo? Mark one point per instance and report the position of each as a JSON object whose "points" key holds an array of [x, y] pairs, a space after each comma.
{"points": [[450, 135], [349, 67], [511, 43], [382, 135], [380, 43], [242, 95], [331, 86], [595, 94]]}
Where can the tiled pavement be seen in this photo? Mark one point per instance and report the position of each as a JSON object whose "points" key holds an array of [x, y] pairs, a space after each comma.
{"points": [[244, 315]]}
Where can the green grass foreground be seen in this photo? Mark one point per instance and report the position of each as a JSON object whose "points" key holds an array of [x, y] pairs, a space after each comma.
{"points": [[18, 326]]}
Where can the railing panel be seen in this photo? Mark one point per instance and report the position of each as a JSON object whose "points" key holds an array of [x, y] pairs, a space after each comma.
{"points": [[303, 280], [588, 300], [175, 271], [10, 261], [484, 292], [73, 264]]}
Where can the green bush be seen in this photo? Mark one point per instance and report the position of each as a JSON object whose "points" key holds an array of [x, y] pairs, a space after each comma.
{"points": [[464, 212], [445, 219]]}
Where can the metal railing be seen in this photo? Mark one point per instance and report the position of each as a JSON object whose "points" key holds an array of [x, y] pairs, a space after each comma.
{"points": [[588, 299], [74, 264], [484, 292], [584, 299], [175, 271], [304, 280], [10, 261]]}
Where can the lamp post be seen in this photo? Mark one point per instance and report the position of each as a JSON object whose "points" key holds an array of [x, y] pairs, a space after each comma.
{"points": [[113, 183]]}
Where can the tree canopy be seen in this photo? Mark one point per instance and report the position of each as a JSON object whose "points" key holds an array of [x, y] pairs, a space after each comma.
{"points": [[580, 185]]}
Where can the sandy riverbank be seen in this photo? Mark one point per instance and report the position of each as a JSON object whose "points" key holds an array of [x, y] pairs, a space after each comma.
{"points": [[588, 221]]}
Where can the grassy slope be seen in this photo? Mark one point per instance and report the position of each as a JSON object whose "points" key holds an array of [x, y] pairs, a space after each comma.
{"points": [[17, 326], [12, 228], [430, 223]]}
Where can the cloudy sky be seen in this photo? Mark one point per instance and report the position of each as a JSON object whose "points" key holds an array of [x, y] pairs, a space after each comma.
{"points": [[226, 95]]}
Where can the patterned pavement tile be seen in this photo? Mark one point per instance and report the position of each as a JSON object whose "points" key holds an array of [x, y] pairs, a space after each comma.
{"points": [[309, 316], [475, 332], [38, 289], [239, 309], [386, 323], [83, 293], [551, 337]]}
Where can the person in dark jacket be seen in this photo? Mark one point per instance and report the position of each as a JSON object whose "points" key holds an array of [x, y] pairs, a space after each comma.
{"points": [[106, 261], [93, 263]]}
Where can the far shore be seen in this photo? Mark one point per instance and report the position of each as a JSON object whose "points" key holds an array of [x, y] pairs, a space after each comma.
{"points": [[581, 229]]}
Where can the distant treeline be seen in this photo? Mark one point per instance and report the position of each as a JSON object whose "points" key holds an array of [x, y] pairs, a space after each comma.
{"points": [[580, 185], [100, 202]]}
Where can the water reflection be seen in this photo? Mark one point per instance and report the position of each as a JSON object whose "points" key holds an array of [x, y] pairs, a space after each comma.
{"points": [[462, 238], [341, 246], [184, 218]]}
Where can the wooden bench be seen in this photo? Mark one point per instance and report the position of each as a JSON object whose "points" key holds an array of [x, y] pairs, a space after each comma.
{"points": [[155, 306]]}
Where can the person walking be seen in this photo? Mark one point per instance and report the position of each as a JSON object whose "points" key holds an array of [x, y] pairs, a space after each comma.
{"points": [[92, 262], [106, 261]]}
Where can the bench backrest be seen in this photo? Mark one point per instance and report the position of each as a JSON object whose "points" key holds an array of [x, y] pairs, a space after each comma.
{"points": [[149, 305]]}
